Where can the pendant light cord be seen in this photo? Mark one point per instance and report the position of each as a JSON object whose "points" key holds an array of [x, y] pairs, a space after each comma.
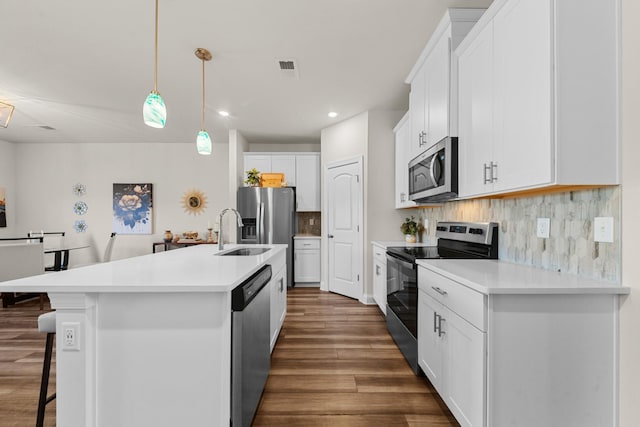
{"points": [[155, 69], [202, 94]]}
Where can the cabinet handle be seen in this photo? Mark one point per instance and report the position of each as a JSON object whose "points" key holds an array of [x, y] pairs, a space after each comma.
{"points": [[435, 322], [440, 331], [281, 284], [487, 168], [438, 290], [494, 176], [377, 270]]}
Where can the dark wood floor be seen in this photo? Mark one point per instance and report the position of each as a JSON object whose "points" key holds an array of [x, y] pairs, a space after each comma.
{"points": [[334, 365]]}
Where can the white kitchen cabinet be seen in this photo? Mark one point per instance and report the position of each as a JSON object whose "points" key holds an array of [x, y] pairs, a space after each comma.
{"points": [[380, 277], [451, 350], [306, 254], [302, 170], [278, 291], [526, 121], [433, 79], [402, 140], [308, 182]]}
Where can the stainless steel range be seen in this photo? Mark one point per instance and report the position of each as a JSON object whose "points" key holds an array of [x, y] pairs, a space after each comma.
{"points": [[456, 240]]}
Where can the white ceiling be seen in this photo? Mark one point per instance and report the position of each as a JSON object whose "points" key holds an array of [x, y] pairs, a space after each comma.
{"points": [[84, 67]]}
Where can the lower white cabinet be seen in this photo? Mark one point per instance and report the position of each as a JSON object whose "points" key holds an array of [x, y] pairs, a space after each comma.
{"points": [[380, 277], [451, 352], [306, 256], [278, 289], [518, 356]]}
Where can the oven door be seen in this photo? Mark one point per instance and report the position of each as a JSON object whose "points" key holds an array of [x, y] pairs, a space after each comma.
{"points": [[433, 175], [402, 291]]}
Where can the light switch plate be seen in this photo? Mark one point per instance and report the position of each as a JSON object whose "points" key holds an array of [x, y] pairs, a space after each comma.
{"points": [[542, 229], [603, 229]]}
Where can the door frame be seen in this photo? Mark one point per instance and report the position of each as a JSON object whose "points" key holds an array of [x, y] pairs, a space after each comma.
{"points": [[359, 265]]}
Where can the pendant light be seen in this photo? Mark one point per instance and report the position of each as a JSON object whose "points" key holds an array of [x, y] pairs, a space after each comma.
{"points": [[154, 111], [203, 141]]}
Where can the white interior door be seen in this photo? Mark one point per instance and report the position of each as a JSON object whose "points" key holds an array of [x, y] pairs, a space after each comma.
{"points": [[344, 207]]}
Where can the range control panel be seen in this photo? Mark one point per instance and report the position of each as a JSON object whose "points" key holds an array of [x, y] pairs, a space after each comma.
{"points": [[478, 232]]}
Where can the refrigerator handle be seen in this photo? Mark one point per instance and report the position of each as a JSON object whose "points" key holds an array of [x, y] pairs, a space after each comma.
{"points": [[260, 223]]}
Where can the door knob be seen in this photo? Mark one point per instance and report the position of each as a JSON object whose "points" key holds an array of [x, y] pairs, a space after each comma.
{"points": [[330, 236]]}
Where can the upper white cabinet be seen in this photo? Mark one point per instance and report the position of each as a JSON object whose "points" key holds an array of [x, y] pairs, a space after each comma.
{"points": [[302, 170], [433, 79], [403, 135], [538, 97], [308, 182]]}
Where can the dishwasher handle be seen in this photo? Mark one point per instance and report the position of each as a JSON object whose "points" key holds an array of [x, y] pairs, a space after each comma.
{"points": [[245, 292]]}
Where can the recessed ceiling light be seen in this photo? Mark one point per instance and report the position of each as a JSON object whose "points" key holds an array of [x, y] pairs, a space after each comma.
{"points": [[223, 113], [332, 114]]}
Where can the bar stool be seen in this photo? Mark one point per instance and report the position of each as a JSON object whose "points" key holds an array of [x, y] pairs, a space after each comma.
{"points": [[46, 324]]}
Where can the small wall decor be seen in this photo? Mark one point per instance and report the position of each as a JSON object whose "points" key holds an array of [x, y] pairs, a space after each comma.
{"points": [[132, 208], [79, 190], [80, 226], [194, 202], [80, 208], [3, 208]]}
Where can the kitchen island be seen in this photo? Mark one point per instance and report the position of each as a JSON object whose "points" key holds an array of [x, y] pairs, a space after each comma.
{"points": [[152, 344]]}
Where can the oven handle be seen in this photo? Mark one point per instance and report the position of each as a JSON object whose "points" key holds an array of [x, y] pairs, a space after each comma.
{"points": [[402, 262]]}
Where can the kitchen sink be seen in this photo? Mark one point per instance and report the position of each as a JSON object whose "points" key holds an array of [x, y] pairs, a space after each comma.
{"points": [[245, 251]]}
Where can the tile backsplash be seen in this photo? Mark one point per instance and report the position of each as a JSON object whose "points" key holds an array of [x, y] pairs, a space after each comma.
{"points": [[309, 223], [570, 247]]}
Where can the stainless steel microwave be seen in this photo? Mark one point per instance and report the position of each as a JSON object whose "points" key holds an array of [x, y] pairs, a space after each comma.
{"points": [[433, 175]]}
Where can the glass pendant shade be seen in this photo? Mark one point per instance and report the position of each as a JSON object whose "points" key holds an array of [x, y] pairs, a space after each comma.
{"points": [[154, 112], [203, 143]]}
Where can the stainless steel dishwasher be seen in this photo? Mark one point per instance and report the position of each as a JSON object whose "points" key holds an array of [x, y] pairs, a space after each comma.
{"points": [[250, 355]]}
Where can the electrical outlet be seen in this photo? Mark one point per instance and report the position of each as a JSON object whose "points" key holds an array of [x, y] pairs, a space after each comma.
{"points": [[71, 336], [542, 229], [603, 229]]}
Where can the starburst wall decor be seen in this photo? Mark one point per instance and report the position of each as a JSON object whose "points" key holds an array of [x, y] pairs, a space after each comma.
{"points": [[194, 202]]}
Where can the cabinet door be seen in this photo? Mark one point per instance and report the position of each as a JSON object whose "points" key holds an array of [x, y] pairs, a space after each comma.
{"points": [[523, 91], [429, 342], [285, 164], [476, 118], [261, 162], [403, 135], [464, 376], [307, 265], [437, 91], [380, 278], [417, 111], [278, 306], [308, 182]]}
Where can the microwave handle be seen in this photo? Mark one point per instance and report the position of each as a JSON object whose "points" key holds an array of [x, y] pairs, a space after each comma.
{"points": [[431, 165]]}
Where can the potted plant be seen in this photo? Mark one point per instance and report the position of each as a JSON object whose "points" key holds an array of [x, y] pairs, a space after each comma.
{"points": [[253, 178], [410, 229]]}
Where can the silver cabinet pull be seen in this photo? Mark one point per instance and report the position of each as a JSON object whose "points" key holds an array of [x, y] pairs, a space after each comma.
{"points": [[435, 322], [438, 290], [377, 270], [281, 284], [440, 331], [487, 168], [494, 176]]}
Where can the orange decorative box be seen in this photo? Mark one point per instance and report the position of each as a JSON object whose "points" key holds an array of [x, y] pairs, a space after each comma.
{"points": [[271, 179]]}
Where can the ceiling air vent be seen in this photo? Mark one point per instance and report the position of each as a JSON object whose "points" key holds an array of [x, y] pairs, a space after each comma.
{"points": [[288, 67]]}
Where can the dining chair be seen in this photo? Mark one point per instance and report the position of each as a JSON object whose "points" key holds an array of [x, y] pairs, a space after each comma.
{"points": [[54, 238], [109, 249], [20, 257]]}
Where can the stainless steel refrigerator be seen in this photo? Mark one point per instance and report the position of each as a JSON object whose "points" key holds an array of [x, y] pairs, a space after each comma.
{"points": [[269, 216]]}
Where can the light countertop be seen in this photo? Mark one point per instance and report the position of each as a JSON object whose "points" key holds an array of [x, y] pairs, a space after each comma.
{"points": [[501, 277], [306, 236], [191, 269], [388, 244]]}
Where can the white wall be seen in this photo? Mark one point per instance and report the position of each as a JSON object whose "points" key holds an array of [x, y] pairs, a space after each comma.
{"points": [[46, 173], [7, 180], [370, 135], [630, 310], [237, 146]]}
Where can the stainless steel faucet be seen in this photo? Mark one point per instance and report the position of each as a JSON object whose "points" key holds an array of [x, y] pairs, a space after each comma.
{"points": [[240, 224]]}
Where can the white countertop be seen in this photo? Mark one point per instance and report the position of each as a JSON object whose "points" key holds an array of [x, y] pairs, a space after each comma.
{"points": [[191, 269], [388, 244], [501, 277], [306, 236]]}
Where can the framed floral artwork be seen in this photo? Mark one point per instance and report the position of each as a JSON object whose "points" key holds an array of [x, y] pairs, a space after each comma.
{"points": [[132, 208], [3, 208]]}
